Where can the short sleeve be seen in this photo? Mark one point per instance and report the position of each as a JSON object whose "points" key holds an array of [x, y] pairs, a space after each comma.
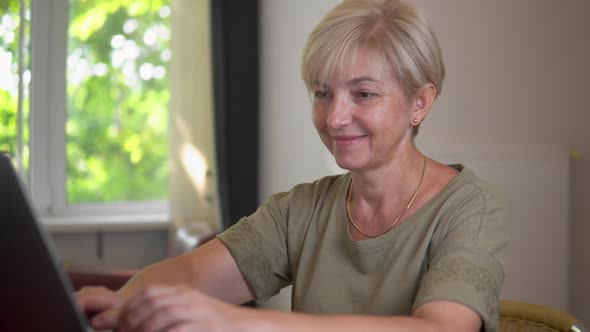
{"points": [[258, 245], [465, 263]]}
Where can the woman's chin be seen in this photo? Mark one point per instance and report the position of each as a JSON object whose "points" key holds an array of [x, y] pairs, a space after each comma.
{"points": [[349, 165]]}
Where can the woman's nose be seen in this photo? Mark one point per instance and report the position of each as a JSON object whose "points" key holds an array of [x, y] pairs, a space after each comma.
{"points": [[339, 113]]}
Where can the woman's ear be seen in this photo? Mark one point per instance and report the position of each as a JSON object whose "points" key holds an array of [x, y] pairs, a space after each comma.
{"points": [[423, 100]]}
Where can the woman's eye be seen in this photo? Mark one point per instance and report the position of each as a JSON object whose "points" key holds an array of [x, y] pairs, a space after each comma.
{"points": [[365, 94], [320, 93]]}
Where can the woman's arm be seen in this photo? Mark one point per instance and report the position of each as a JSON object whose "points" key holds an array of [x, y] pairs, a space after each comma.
{"points": [[210, 269], [183, 309], [438, 316]]}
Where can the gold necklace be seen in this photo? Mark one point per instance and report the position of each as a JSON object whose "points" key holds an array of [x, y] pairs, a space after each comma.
{"points": [[348, 198]]}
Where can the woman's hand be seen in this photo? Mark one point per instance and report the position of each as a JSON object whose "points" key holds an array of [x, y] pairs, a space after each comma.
{"points": [[102, 306], [167, 308]]}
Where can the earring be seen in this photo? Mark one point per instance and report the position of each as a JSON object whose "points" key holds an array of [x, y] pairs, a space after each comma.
{"points": [[415, 120]]}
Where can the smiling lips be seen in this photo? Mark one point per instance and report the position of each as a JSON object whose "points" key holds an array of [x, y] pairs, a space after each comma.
{"points": [[346, 140]]}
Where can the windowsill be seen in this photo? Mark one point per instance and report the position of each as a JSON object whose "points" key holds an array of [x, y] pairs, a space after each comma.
{"points": [[106, 223]]}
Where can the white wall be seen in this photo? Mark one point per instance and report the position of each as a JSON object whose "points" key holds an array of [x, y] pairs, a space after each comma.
{"points": [[111, 250], [516, 74]]}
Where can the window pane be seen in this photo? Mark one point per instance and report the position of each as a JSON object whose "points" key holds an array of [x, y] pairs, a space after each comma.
{"points": [[9, 78], [117, 100]]}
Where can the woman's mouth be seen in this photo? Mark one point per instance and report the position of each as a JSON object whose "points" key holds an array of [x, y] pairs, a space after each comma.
{"points": [[346, 140]]}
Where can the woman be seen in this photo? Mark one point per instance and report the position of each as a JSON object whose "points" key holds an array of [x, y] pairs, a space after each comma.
{"points": [[400, 243]]}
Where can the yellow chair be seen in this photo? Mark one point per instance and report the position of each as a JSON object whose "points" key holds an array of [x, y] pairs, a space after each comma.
{"points": [[522, 316]]}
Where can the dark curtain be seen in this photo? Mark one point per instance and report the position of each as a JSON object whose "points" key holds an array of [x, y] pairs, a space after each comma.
{"points": [[235, 73]]}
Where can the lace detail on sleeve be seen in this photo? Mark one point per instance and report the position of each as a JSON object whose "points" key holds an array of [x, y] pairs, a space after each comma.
{"points": [[451, 278]]}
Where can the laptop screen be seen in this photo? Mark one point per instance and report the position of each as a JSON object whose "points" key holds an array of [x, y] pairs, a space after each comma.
{"points": [[35, 294]]}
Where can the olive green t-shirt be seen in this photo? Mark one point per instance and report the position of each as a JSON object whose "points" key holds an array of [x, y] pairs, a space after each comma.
{"points": [[450, 249]]}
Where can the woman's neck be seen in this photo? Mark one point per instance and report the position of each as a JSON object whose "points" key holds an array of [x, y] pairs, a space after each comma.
{"points": [[390, 183]]}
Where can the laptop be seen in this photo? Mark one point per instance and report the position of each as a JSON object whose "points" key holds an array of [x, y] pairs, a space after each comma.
{"points": [[35, 294]]}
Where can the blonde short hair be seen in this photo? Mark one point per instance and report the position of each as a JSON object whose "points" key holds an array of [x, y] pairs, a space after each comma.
{"points": [[392, 29]]}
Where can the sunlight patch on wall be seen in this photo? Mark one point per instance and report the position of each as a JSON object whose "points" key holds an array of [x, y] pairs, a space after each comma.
{"points": [[194, 164]]}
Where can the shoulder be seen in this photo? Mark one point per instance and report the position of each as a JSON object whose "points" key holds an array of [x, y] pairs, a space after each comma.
{"points": [[312, 191], [469, 190], [325, 183], [470, 209], [457, 184], [304, 199]]}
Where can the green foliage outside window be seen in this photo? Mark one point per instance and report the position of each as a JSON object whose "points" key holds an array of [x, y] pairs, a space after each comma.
{"points": [[117, 100], [9, 39]]}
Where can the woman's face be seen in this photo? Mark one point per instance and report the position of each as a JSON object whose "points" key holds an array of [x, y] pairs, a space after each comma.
{"points": [[362, 114]]}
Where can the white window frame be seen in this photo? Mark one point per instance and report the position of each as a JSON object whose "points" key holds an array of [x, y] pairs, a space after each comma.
{"points": [[49, 26]]}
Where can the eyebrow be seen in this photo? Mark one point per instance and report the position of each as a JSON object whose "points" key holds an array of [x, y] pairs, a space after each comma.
{"points": [[350, 82], [360, 79]]}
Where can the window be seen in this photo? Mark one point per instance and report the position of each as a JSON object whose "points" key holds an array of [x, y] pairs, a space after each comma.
{"points": [[98, 107]]}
